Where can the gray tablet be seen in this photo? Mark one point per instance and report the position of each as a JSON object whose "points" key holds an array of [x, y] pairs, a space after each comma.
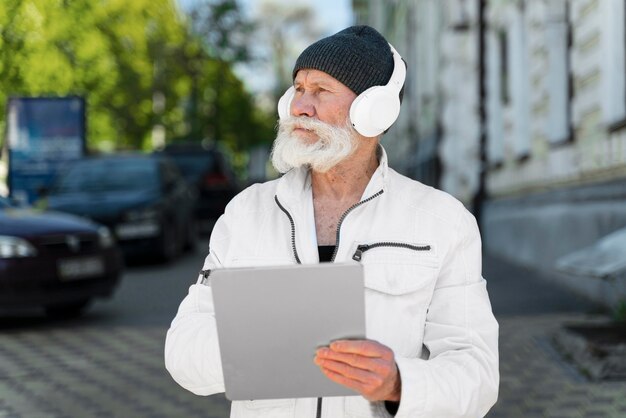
{"points": [[270, 321]]}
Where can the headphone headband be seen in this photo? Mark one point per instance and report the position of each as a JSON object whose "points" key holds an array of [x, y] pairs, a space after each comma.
{"points": [[399, 70]]}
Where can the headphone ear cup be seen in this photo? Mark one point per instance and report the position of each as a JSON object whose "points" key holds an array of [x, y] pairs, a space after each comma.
{"points": [[375, 110], [284, 104]]}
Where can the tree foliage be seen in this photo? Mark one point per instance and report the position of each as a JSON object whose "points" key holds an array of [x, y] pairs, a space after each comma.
{"points": [[224, 37], [283, 26], [138, 63]]}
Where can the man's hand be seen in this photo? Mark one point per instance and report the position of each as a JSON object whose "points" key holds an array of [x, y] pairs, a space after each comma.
{"points": [[363, 365]]}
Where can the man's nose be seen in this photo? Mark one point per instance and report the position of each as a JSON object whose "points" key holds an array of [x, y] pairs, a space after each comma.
{"points": [[302, 105]]}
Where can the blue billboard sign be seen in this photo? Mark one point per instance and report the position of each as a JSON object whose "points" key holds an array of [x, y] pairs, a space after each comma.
{"points": [[43, 135]]}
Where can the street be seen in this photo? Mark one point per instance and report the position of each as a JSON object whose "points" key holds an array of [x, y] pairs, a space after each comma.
{"points": [[110, 362]]}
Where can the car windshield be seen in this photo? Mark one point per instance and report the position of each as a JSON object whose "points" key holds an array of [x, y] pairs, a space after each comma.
{"points": [[106, 175], [193, 166]]}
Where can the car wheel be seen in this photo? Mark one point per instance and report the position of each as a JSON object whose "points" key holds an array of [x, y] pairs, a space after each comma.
{"points": [[67, 310]]}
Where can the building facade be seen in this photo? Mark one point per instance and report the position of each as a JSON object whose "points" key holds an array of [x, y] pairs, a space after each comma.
{"points": [[518, 108]]}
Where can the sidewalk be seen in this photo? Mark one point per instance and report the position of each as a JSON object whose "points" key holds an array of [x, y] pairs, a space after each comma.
{"points": [[85, 372], [117, 371], [534, 380]]}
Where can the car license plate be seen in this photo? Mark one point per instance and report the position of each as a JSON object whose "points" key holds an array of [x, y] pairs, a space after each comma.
{"points": [[131, 231], [80, 268]]}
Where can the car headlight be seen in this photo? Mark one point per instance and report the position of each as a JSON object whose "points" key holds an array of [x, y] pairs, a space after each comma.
{"points": [[13, 247], [105, 237], [146, 214]]}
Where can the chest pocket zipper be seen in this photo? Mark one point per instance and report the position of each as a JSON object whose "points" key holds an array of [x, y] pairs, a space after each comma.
{"points": [[358, 254]]}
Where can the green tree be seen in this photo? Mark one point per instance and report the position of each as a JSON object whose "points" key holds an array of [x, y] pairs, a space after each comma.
{"points": [[219, 106], [141, 65], [222, 31], [105, 51], [279, 26]]}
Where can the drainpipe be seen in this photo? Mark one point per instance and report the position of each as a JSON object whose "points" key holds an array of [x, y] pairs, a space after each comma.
{"points": [[481, 194]]}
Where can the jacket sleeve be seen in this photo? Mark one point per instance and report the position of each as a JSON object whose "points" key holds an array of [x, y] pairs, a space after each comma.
{"points": [[192, 354], [460, 378]]}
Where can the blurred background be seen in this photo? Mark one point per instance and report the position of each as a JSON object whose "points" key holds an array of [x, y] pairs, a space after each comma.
{"points": [[128, 126], [518, 108]]}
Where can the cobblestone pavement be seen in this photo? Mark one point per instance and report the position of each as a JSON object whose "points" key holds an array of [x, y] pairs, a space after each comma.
{"points": [[80, 370], [537, 382], [118, 372], [85, 372]]}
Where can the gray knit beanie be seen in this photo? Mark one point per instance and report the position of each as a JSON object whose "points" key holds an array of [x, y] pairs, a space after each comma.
{"points": [[358, 57]]}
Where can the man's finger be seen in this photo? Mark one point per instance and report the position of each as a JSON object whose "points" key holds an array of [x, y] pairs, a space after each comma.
{"points": [[367, 390], [373, 364], [343, 380], [365, 348], [348, 371]]}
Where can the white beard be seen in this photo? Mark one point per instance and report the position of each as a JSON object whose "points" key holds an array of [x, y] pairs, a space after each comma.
{"points": [[334, 144]]}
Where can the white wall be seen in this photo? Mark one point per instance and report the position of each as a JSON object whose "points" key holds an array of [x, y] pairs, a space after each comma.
{"points": [[568, 139], [459, 87], [550, 133]]}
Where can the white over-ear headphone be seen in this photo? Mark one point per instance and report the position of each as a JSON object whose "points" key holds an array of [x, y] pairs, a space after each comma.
{"points": [[374, 110]]}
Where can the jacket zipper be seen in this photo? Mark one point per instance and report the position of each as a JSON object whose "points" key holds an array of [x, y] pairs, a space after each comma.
{"points": [[343, 217], [295, 251], [332, 259], [295, 254], [319, 408], [206, 280], [293, 229], [364, 247]]}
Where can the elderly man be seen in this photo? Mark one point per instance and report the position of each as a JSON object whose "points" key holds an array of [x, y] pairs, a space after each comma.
{"points": [[431, 347]]}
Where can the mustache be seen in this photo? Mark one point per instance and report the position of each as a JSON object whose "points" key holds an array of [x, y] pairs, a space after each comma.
{"points": [[304, 122]]}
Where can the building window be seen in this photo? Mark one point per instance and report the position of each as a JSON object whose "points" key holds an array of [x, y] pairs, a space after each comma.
{"points": [[558, 39], [519, 83], [503, 50], [496, 73], [614, 57]]}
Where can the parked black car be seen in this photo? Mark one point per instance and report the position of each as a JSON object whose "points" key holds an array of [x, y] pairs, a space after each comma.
{"points": [[143, 199], [208, 170], [53, 260]]}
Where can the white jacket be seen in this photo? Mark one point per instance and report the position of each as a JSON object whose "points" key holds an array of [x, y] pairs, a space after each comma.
{"points": [[429, 306]]}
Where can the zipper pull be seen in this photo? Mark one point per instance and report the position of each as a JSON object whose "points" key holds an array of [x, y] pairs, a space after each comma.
{"points": [[359, 252], [206, 280]]}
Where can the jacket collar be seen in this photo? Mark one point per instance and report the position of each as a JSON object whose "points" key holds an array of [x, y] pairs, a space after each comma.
{"points": [[295, 186], [295, 195]]}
